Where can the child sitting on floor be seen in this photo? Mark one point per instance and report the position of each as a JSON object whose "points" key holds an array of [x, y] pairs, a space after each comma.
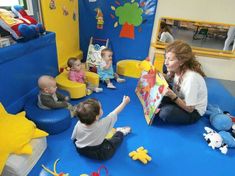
{"points": [[105, 69], [49, 98], [89, 133], [77, 74]]}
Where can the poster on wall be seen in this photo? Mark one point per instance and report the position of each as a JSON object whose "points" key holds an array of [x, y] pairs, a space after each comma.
{"points": [[127, 23], [150, 90]]}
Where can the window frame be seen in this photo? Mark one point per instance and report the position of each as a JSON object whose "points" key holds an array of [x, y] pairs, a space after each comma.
{"points": [[27, 4]]}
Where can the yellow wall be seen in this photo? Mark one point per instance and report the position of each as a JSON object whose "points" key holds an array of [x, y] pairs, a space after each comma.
{"points": [[66, 29]]}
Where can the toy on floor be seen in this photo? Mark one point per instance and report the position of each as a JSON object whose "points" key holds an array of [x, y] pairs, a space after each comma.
{"points": [[24, 27], [98, 172], [222, 140], [54, 172], [140, 154], [16, 132], [221, 121]]}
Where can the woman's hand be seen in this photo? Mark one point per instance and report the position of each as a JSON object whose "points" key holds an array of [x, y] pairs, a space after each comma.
{"points": [[170, 94]]}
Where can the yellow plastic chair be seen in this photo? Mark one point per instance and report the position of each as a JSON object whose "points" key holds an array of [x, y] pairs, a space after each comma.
{"points": [[75, 89]]}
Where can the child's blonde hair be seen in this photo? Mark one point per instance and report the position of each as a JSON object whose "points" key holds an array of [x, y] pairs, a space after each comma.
{"points": [[105, 50], [44, 81]]}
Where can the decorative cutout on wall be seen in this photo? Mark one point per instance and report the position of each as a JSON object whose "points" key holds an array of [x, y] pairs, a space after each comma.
{"points": [[99, 18], [75, 14], [52, 5], [132, 14], [65, 11]]}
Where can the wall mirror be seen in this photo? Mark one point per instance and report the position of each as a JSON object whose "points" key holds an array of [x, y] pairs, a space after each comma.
{"points": [[202, 36]]}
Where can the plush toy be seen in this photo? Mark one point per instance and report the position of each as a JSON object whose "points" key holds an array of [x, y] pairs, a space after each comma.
{"points": [[16, 132], [219, 120], [22, 28], [223, 123], [145, 65], [222, 140], [140, 154]]}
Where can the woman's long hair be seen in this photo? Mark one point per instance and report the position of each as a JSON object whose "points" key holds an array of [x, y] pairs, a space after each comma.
{"points": [[183, 52]]}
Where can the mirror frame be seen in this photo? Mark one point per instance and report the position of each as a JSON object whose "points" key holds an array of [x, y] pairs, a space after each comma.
{"points": [[197, 50]]}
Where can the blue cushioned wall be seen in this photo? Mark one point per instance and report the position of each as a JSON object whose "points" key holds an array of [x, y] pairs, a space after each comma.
{"points": [[20, 66]]}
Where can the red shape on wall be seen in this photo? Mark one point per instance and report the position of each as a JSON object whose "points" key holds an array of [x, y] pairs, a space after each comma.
{"points": [[127, 31]]}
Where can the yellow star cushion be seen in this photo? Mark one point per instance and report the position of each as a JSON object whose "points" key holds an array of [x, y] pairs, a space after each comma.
{"points": [[16, 131]]}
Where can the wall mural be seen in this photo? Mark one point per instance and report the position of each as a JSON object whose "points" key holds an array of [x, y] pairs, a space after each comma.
{"points": [[126, 23]]}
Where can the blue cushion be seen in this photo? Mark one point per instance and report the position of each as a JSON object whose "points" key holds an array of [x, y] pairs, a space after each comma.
{"points": [[52, 121]]}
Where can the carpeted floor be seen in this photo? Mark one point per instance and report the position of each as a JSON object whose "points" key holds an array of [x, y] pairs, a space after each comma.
{"points": [[175, 150]]}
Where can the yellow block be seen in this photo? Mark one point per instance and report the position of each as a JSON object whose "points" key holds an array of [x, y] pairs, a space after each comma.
{"points": [[129, 68], [75, 89], [159, 61], [93, 78]]}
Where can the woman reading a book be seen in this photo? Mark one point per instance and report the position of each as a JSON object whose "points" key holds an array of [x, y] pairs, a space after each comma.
{"points": [[186, 102]]}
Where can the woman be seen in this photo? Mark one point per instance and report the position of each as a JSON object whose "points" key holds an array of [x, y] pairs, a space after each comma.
{"points": [[165, 33], [186, 102]]}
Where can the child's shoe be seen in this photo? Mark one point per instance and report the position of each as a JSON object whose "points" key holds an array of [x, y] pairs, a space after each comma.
{"points": [[111, 86], [120, 80], [125, 130], [97, 89], [88, 92]]}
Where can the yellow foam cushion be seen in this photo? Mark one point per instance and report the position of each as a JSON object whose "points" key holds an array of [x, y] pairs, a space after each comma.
{"points": [[75, 89], [16, 132], [158, 62], [129, 68]]}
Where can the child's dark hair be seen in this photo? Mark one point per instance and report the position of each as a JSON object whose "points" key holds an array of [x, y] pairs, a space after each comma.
{"points": [[103, 51], [71, 61], [88, 110]]}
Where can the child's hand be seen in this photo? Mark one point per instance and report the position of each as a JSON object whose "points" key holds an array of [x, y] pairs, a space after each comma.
{"points": [[126, 99]]}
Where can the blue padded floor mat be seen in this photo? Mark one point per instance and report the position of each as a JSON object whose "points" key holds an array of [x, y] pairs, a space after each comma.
{"points": [[175, 150]]}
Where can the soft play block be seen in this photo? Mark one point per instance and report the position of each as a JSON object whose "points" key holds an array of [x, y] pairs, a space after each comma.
{"points": [[93, 78], [76, 90], [129, 68], [52, 121]]}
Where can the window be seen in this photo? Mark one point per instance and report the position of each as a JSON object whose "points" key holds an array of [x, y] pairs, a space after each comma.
{"points": [[26, 3]]}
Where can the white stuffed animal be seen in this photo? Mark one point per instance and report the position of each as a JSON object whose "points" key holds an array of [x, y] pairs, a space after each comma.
{"points": [[215, 140]]}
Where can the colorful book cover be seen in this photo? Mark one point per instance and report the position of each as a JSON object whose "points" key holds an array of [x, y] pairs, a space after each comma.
{"points": [[150, 89]]}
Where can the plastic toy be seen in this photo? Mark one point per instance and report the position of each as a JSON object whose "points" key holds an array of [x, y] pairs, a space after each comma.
{"points": [[54, 172], [222, 140], [16, 132], [98, 172], [140, 154], [22, 28]]}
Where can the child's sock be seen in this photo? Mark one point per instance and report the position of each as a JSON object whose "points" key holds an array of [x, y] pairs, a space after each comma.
{"points": [[120, 80], [125, 130], [111, 86], [88, 92], [97, 89]]}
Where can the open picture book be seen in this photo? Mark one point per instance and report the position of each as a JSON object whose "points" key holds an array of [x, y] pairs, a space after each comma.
{"points": [[150, 89]]}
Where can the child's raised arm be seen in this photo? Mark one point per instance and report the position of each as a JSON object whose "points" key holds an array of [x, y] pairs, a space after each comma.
{"points": [[125, 101]]}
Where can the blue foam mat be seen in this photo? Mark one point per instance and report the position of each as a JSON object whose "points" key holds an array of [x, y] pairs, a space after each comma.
{"points": [[175, 150]]}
